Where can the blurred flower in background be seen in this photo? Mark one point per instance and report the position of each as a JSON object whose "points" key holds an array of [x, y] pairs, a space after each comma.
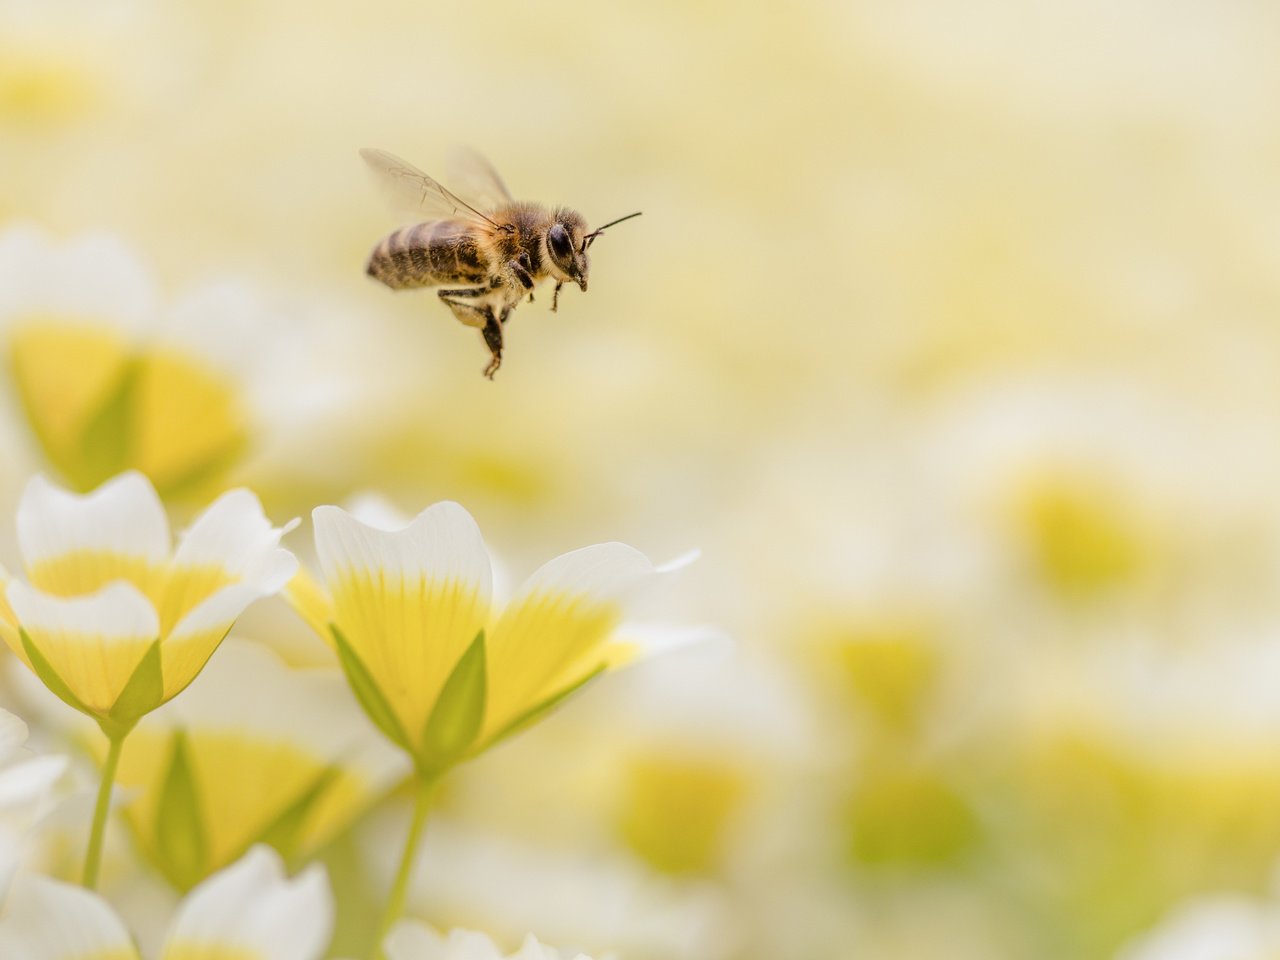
{"points": [[25, 782], [293, 736], [948, 335]]}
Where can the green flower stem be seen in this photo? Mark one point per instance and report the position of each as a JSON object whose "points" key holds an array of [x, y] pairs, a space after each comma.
{"points": [[426, 789], [93, 858]]}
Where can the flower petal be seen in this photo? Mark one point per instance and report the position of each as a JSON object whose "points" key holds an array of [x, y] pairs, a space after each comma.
{"points": [[249, 718], [411, 940], [409, 602], [26, 782], [8, 619], [310, 602], [92, 642], [73, 544], [13, 734], [252, 907], [197, 635], [91, 278], [48, 920], [564, 614], [231, 541]]}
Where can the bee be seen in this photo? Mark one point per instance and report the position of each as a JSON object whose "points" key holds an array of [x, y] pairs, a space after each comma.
{"points": [[488, 255]]}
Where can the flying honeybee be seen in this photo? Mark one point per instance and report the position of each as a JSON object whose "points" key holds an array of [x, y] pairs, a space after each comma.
{"points": [[489, 254]]}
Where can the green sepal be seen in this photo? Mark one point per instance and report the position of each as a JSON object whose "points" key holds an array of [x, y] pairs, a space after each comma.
{"points": [[195, 479], [181, 847], [282, 832], [49, 676], [367, 692], [143, 691], [458, 713], [540, 709], [105, 440]]}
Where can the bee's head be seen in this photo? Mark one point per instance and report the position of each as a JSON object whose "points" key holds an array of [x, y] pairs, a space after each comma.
{"points": [[567, 243], [567, 248]]}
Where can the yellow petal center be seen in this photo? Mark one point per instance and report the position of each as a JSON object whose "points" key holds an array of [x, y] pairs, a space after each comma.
{"points": [[99, 407], [174, 591], [542, 644], [409, 632]]}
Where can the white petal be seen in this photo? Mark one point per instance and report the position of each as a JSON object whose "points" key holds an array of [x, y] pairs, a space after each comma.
{"points": [[48, 920], [1221, 928], [411, 940], [531, 949], [604, 572], [193, 641], [252, 907], [93, 642], [13, 734], [442, 543], [123, 516], [679, 562], [651, 639], [470, 945], [93, 278], [227, 324], [25, 783], [375, 510], [221, 608], [232, 534], [118, 611]]}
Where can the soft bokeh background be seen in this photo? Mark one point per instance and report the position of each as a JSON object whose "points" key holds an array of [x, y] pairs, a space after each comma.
{"points": [[949, 335]]}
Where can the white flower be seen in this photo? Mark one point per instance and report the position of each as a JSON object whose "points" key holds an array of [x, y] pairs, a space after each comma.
{"points": [[415, 941], [113, 618], [249, 911], [25, 780]]}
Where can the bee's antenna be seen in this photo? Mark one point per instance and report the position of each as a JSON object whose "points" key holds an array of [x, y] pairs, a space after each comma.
{"points": [[586, 241]]}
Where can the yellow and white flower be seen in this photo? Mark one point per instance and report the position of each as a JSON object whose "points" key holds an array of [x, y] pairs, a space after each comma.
{"points": [[295, 734], [99, 391], [25, 780], [112, 618], [249, 911], [111, 376], [437, 667], [416, 941]]}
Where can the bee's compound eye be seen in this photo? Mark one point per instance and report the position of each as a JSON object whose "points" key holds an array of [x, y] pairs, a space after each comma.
{"points": [[558, 239]]}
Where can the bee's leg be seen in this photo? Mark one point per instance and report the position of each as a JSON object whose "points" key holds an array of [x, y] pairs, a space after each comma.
{"points": [[466, 293], [467, 313], [531, 296], [520, 269], [555, 297], [493, 340]]}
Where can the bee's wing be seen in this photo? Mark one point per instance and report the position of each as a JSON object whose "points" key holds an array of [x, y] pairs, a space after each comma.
{"points": [[478, 180], [410, 188]]}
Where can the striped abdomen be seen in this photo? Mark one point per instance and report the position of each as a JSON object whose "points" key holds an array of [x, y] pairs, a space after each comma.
{"points": [[428, 255]]}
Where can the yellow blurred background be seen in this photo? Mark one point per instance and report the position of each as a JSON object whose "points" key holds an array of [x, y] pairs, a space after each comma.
{"points": [[949, 335]]}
